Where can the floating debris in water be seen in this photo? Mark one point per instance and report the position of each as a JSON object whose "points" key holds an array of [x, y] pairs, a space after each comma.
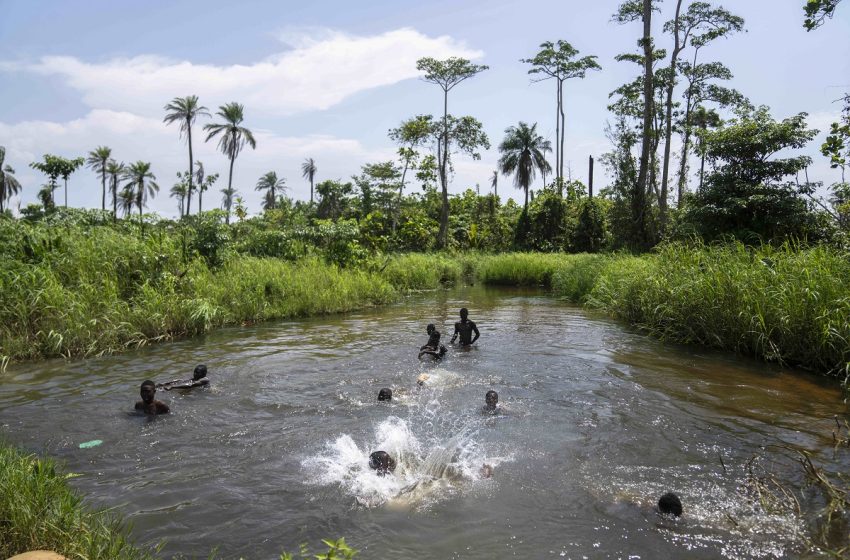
{"points": [[92, 443]]}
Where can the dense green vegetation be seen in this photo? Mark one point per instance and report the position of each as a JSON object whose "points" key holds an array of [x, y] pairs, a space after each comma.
{"points": [[77, 285]]}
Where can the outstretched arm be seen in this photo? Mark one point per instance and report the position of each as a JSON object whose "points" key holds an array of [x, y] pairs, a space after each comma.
{"points": [[475, 330]]}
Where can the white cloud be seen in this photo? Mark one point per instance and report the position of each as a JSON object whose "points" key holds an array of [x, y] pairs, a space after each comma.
{"points": [[318, 72]]}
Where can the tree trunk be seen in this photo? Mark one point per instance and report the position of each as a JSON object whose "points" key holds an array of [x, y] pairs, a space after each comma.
{"points": [[200, 198], [66, 192], [114, 200], [103, 184], [668, 117], [563, 126], [639, 194], [311, 189], [191, 163], [397, 213], [229, 189], [444, 212], [557, 128], [683, 168]]}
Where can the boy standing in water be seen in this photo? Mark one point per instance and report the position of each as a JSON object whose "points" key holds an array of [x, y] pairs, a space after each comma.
{"points": [[464, 328], [148, 405]]}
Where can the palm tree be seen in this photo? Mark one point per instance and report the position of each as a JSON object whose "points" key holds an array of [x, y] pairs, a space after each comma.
{"points": [[233, 139], [9, 186], [269, 183], [185, 110], [126, 200], [494, 182], [199, 177], [227, 200], [308, 171], [522, 151], [136, 175], [116, 172], [97, 161], [179, 191]]}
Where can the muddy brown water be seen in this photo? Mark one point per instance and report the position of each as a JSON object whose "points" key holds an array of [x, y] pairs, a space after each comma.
{"points": [[595, 422]]}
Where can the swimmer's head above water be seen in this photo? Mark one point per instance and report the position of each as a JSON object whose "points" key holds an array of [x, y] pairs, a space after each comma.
{"points": [[385, 394], [491, 399], [670, 504], [464, 313], [381, 463], [200, 372], [148, 391], [430, 328]]}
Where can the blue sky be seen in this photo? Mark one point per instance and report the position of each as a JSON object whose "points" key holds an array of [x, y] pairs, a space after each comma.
{"points": [[328, 79]]}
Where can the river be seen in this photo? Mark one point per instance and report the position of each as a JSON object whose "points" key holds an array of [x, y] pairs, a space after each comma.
{"points": [[595, 422]]}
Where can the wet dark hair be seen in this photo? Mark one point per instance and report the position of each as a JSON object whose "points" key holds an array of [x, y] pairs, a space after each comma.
{"points": [[491, 395], [464, 311], [430, 328], [385, 394], [200, 371], [148, 383], [669, 503], [381, 462]]}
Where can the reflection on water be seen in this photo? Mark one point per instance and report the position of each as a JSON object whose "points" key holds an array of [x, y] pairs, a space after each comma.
{"points": [[596, 422]]}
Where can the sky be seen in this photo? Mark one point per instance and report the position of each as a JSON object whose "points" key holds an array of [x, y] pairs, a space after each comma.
{"points": [[328, 79]]}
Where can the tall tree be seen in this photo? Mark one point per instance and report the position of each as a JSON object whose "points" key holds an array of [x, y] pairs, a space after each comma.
{"points": [[97, 161], [186, 110], [126, 200], [308, 171], [522, 152], [633, 10], [701, 23], [270, 184], [703, 120], [446, 74], [67, 167], [141, 182], [556, 61], [701, 90], [52, 166], [494, 182], [234, 137], [178, 191], [200, 174], [410, 135], [817, 11], [116, 172], [9, 185]]}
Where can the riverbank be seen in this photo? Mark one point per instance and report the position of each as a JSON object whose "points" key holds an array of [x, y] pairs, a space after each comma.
{"points": [[73, 291], [39, 511]]}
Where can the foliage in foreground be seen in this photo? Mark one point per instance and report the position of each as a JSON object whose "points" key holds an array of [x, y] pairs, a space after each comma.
{"points": [[39, 511]]}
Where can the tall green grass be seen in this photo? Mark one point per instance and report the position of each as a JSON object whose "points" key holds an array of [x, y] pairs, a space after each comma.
{"points": [[72, 291], [782, 304], [519, 269], [39, 511], [416, 271]]}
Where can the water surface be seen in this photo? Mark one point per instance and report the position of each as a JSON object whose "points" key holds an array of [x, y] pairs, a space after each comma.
{"points": [[596, 421]]}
